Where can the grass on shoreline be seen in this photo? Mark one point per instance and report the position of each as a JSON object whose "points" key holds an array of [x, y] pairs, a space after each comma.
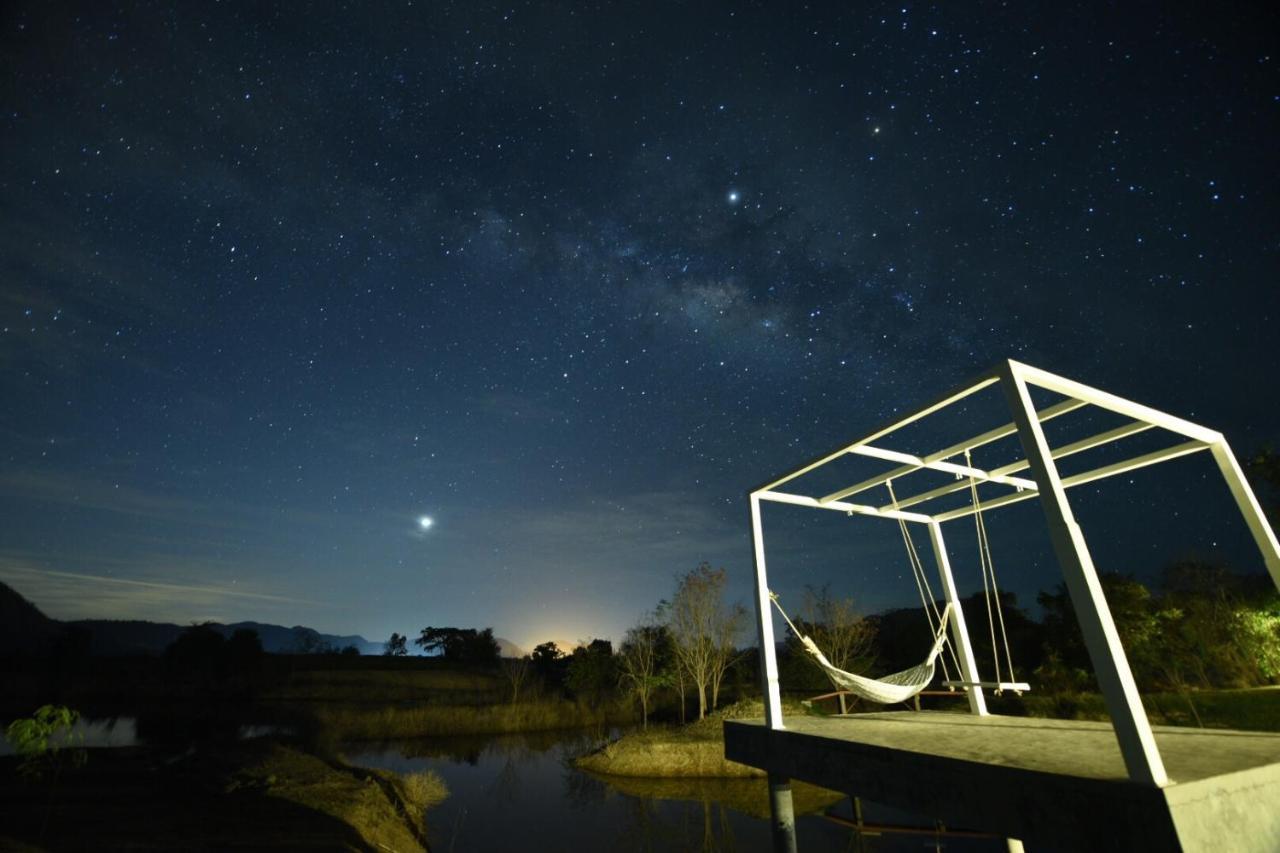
{"points": [[259, 795], [695, 750]]}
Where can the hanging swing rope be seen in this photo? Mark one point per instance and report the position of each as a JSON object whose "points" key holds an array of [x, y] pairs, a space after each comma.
{"points": [[935, 619], [990, 588]]}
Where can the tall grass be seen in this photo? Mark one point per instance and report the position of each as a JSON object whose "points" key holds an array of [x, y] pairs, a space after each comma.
{"points": [[345, 723]]}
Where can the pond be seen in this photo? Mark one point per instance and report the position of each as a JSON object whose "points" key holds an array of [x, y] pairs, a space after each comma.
{"points": [[522, 791], [106, 732]]}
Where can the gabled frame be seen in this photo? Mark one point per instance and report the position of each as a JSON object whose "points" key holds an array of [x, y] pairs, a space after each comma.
{"points": [[1133, 730]]}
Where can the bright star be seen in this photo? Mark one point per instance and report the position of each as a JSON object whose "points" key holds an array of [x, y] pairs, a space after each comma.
{"points": [[425, 522], [733, 196]]}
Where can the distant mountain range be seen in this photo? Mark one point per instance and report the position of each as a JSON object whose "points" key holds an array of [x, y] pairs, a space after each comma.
{"points": [[131, 637], [24, 629]]}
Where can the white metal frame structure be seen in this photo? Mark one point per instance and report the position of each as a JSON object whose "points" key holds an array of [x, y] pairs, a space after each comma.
{"points": [[1133, 731]]}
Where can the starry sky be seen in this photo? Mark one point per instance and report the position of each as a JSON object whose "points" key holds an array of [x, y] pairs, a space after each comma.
{"points": [[571, 278]]}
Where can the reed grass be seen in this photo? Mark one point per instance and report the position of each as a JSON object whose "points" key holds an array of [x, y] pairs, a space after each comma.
{"points": [[351, 722]]}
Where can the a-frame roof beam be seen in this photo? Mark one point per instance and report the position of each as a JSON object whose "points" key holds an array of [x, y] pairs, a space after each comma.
{"points": [[996, 434], [859, 509], [1086, 477], [973, 386], [1022, 464], [1112, 403]]}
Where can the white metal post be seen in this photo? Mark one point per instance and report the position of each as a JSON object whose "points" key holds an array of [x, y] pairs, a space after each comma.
{"points": [[1133, 731], [959, 630], [764, 625], [1249, 508]]}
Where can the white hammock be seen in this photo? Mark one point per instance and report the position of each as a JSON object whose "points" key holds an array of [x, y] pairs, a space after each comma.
{"points": [[898, 687]]}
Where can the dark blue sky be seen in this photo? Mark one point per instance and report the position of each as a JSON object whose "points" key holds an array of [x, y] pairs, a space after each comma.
{"points": [[570, 279]]}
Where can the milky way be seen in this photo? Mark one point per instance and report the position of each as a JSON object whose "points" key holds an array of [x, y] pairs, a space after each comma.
{"points": [[570, 280]]}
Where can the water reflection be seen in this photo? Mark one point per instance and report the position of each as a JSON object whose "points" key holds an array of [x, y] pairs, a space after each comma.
{"points": [[522, 791], [109, 732], [104, 732]]}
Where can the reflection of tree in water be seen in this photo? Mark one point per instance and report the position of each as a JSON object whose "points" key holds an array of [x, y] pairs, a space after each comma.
{"points": [[469, 749], [506, 784], [582, 790], [656, 826]]}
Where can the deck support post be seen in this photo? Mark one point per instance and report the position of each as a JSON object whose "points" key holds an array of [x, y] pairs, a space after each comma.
{"points": [[764, 626], [959, 630], [780, 805], [784, 816], [1261, 531], [1133, 730]]}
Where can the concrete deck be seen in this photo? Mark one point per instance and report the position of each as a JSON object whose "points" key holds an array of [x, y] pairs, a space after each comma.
{"points": [[1055, 784]]}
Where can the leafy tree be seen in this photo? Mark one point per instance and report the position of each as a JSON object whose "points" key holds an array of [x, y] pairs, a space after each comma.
{"points": [[43, 740], [461, 645], [549, 662], [1129, 602], [643, 661], [396, 647], [350, 651], [1264, 472], [201, 654], [704, 630], [199, 651], [46, 744], [243, 652], [593, 672], [1205, 627]]}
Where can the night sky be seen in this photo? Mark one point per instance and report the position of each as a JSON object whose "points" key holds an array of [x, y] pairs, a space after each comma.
{"points": [[569, 279]]}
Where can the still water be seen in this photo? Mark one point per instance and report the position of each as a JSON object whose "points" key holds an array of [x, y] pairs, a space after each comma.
{"points": [[521, 791], [104, 732]]}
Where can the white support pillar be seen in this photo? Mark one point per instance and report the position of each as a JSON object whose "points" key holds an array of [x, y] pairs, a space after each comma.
{"points": [[959, 630], [764, 625], [1133, 730], [1249, 508]]}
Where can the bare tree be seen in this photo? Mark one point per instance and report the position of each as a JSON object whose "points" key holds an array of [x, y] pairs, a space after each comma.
{"points": [[639, 663], [517, 672], [703, 629], [835, 624]]}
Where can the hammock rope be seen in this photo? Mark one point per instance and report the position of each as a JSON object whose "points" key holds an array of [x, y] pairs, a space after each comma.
{"points": [[887, 690]]}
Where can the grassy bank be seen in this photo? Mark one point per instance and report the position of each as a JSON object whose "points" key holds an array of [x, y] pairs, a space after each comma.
{"points": [[359, 722], [252, 795], [692, 751]]}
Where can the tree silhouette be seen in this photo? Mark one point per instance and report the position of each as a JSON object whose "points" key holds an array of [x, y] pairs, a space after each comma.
{"points": [[461, 645], [396, 647], [705, 631]]}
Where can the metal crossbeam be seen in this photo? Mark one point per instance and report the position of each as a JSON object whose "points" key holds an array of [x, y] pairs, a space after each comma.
{"points": [[985, 438], [1080, 479], [858, 509], [946, 467], [1022, 464], [973, 386]]}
